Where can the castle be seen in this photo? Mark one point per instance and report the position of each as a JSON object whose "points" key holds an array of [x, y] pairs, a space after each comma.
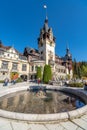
{"points": [[61, 67], [26, 64]]}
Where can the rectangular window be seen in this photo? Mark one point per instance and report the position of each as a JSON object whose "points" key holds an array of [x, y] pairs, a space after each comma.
{"points": [[32, 68], [41, 52], [24, 67], [1, 53], [4, 65], [41, 44], [14, 66], [41, 57]]}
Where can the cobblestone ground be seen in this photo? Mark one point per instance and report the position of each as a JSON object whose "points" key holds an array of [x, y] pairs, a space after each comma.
{"points": [[8, 124]]}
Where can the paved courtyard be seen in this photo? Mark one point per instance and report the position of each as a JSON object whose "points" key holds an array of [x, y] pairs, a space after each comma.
{"points": [[8, 124]]}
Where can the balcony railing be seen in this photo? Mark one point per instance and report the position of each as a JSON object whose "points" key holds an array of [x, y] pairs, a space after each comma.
{"points": [[14, 70], [51, 62], [4, 69]]}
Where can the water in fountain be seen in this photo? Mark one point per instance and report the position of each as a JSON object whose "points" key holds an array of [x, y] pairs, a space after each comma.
{"points": [[40, 102]]}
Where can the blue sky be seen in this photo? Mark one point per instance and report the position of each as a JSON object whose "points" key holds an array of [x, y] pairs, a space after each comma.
{"points": [[21, 20]]}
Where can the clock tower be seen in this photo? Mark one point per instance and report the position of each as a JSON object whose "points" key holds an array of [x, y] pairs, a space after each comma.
{"points": [[46, 44]]}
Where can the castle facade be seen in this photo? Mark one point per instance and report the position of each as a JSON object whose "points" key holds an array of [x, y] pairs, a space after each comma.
{"points": [[26, 64]]}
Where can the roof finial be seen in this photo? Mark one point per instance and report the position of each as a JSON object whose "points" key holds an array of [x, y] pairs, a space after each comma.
{"points": [[45, 7]]}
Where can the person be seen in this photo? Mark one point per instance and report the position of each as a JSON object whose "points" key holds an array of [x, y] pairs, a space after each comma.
{"points": [[13, 81], [6, 82], [38, 81]]}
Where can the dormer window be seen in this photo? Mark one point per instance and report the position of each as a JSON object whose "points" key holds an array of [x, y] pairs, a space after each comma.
{"points": [[31, 51]]}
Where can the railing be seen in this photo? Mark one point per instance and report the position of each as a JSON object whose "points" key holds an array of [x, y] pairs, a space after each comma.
{"points": [[4, 69], [14, 70], [51, 62]]}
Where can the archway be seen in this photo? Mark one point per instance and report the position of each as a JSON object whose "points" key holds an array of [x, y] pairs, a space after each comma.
{"points": [[24, 77]]}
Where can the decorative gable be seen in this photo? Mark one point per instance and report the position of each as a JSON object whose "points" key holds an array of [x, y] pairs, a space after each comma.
{"points": [[12, 50]]}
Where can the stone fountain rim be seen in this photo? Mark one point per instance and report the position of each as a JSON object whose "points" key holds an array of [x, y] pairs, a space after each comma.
{"points": [[44, 117]]}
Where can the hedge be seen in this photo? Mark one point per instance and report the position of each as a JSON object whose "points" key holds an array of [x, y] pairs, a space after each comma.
{"points": [[76, 85]]}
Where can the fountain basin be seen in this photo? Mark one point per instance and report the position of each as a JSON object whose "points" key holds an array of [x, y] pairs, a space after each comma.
{"points": [[45, 117]]}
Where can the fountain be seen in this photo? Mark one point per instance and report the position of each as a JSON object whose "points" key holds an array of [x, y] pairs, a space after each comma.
{"points": [[42, 103]]}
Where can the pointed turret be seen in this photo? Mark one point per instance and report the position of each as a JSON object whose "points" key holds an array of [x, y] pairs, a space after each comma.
{"points": [[68, 62], [46, 28], [46, 33], [68, 55]]}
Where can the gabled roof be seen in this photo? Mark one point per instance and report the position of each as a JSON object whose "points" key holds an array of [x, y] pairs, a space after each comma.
{"points": [[5, 48], [30, 50]]}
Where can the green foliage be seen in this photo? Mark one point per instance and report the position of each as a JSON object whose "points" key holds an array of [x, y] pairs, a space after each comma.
{"points": [[79, 69], [14, 75], [84, 70], [68, 76], [19, 80], [1, 81], [39, 73], [76, 84], [47, 74]]}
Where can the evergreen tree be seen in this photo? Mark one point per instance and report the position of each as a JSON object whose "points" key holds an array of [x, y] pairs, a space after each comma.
{"points": [[75, 69], [79, 69], [79, 72], [84, 70], [47, 74], [39, 73]]}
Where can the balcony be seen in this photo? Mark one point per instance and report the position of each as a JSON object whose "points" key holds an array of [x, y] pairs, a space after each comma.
{"points": [[4, 69], [22, 57], [14, 70], [51, 62]]}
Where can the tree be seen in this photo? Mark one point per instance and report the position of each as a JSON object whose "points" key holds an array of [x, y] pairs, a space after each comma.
{"points": [[79, 69], [75, 69], [68, 76], [84, 71], [14, 75], [47, 74], [79, 72], [39, 73]]}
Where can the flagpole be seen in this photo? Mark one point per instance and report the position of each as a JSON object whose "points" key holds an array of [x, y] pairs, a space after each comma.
{"points": [[46, 14], [45, 7], [67, 45]]}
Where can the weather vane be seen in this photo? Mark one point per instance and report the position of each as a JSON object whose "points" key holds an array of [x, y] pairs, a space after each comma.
{"points": [[45, 7]]}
